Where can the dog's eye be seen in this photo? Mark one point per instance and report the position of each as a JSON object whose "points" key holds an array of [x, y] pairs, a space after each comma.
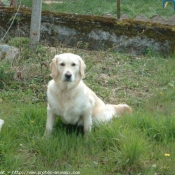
{"points": [[73, 64], [62, 64]]}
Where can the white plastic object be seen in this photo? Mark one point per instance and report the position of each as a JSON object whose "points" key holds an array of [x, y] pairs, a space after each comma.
{"points": [[1, 123]]}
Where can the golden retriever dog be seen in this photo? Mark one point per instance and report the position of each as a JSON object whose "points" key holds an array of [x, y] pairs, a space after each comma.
{"points": [[70, 99]]}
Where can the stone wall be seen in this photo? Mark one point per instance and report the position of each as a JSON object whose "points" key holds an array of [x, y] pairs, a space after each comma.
{"points": [[135, 36]]}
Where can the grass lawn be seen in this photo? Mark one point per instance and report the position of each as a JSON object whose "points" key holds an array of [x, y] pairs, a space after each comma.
{"points": [[100, 7], [142, 143]]}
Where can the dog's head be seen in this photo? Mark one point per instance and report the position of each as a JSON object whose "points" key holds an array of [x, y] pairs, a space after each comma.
{"points": [[67, 67]]}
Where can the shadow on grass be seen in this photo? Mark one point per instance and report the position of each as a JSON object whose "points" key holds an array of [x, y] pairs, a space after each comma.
{"points": [[68, 129]]}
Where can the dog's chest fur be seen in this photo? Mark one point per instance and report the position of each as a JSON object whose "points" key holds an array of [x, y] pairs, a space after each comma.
{"points": [[69, 105]]}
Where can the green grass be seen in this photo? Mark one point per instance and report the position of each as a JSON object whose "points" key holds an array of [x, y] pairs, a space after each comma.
{"points": [[100, 7], [135, 144]]}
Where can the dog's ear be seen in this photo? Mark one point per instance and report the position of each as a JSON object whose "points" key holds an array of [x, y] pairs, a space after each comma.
{"points": [[54, 68], [82, 68]]}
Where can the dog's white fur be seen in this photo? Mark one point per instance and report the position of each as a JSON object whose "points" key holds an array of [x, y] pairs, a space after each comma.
{"points": [[69, 98]]}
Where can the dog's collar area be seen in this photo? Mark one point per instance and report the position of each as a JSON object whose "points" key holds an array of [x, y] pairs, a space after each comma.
{"points": [[66, 85]]}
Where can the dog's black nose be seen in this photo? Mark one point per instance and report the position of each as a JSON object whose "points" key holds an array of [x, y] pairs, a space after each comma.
{"points": [[68, 75]]}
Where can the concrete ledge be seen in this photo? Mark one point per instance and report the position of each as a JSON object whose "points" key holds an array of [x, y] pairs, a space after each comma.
{"points": [[136, 36]]}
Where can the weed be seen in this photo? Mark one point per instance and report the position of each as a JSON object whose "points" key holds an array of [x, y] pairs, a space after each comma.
{"points": [[19, 42], [6, 76]]}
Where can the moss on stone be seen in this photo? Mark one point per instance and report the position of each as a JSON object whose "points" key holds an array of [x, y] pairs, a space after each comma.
{"points": [[87, 23]]}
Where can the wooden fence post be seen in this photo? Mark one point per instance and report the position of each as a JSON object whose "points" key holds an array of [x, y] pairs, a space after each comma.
{"points": [[118, 9], [35, 22]]}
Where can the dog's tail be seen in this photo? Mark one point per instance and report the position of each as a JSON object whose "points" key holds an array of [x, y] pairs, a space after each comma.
{"points": [[122, 109], [116, 111], [110, 111]]}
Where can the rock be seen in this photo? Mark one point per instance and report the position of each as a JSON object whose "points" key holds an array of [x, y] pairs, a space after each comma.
{"points": [[141, 18], [171, 20], [158, 19], [8, 3], [107, 15], [4, 3], [124, 16], [8, 52], [128, 35]]}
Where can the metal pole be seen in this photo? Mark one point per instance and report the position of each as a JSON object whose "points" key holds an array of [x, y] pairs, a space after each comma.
{"points": [[118, 9], [35, 22]]}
